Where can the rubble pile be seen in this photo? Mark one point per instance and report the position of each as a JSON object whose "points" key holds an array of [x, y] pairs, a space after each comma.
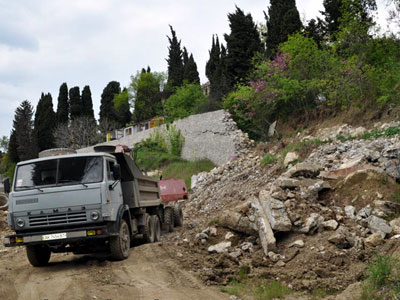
{"points": [[314, 224]]}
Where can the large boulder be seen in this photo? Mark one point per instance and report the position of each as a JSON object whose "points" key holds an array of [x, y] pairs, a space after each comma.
{"points": [[220, 247], [305, 170], [379, 225], [395, 224], [290, 157]]}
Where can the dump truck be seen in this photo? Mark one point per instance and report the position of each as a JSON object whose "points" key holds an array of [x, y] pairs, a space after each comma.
{"points": [[85, 203]]}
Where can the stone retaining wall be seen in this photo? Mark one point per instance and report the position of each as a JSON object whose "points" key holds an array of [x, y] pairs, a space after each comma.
{"points": [[212, 135]]}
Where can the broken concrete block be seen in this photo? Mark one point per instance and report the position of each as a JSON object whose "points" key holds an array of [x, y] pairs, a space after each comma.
{"points": [[275, 211]]}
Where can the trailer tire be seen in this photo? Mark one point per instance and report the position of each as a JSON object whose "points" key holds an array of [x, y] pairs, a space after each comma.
{"points": [[38, 255], [148, 230], [168, 219], [120, 245], [178, 216], [156, 225]]}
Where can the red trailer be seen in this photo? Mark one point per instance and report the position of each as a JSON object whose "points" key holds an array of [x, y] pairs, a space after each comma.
{"points": [[173, 190]]}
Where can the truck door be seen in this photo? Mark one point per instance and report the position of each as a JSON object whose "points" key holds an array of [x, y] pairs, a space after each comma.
{"points": [[115, 193]]}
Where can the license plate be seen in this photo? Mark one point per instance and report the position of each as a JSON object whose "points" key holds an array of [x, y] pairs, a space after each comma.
{"points": [[54, 236]]}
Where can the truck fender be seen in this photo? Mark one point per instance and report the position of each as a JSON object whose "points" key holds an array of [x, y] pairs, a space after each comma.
{"points": [[123, 209]]}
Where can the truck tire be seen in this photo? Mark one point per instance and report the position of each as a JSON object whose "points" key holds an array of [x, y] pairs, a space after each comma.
{"points": [[148, 230], [168, 219], [120, 245], [178, 216], [156, 225], [38, 255]]}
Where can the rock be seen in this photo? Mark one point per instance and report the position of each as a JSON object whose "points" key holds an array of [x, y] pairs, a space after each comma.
{"points": [[305, 170], [341, 238], [271, 129], [378, 225], [235, 254], [289, 158], [246, 246], [387, 206], [238, 222], [287, 183], [213, 231], [350, 211], [220, 247], [201, 236], [395, 224], [365, 212], [297, 244], [349, 163], [275, 212], [273, 256], [374, 239], [330, 225], [312, 223], [280, 264], [265, 232], [229, 235], [279, 194], [193, 181]]}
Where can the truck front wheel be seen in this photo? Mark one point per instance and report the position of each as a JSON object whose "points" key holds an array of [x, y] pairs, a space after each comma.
{"points": [[38, 255], [120, 245]]}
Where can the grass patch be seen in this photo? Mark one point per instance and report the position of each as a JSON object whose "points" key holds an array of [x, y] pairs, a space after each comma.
{"points": [[321, 293], [213, 222], [260, 290], [269, 159], [185, 169], [302, 148], [383, 280], [151, 160]]}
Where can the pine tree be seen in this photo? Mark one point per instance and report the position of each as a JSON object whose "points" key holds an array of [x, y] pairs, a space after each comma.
{"points": [[87, 103], [107, 110], [175, 62], [190, 74], [283, 20], [242, 43], [25, 141], [75, 101], [62, 105], [45, 122]]}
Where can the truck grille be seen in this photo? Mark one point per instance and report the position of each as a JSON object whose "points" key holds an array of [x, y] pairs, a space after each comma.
{"points": [[57, 219]]}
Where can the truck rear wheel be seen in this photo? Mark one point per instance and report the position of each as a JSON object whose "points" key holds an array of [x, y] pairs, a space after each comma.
{"points": [[120, 245], [38, 255], [148, 230], [168, 224], [178, 216], [156, 226]]}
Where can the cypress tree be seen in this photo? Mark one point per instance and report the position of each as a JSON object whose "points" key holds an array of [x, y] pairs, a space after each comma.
{"points": [[214, 59], [332, 14], [185, 56], [13, 147], [45, 122], [62, 105], [315, 30], [87, 103], [23, 129], [242, 43], [75, 100], [283, 20], [175, 61], [190, 74], [107, 110]]}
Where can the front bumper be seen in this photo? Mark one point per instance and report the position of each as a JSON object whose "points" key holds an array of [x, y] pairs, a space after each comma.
{"points": [[60, 236]]}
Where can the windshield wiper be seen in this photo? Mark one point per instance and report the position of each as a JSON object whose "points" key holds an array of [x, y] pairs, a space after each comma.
{"points": [[29, 187]]}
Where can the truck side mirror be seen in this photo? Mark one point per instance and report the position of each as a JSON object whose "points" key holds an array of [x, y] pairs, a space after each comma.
{"points": [[6, 183], [116, 172]]}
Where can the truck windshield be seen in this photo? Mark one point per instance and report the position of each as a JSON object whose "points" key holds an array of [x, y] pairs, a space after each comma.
{"points": [[63, 171]]}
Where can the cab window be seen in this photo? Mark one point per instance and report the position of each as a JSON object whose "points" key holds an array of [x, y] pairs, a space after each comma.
{"points": [[110, 165]]}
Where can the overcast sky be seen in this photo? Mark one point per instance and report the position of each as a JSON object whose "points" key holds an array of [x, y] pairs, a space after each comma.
{"points": [[92, 42]]}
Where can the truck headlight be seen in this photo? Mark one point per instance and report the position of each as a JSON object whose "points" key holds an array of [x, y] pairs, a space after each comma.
{"points": [[94, 215], [20, 222]]}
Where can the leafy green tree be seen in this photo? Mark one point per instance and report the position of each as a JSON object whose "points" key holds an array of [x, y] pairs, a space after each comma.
{"points": [[76, 105], [122, 107], [283, 20], [146, 90], [187, 100], [62, 105], [107, 110], [45, 122], [175, 61], [25, 140], [190, 74], [4, 141], [87, 103], [242, 43]]}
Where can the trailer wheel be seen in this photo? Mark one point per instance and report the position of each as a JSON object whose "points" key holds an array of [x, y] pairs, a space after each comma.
{"points": [[168, 219], [178, 216], [120, 245], [148, 230], [38, 255]]}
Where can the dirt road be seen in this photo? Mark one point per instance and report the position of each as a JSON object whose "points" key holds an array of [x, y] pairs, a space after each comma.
{"points": [[149, 273]]}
